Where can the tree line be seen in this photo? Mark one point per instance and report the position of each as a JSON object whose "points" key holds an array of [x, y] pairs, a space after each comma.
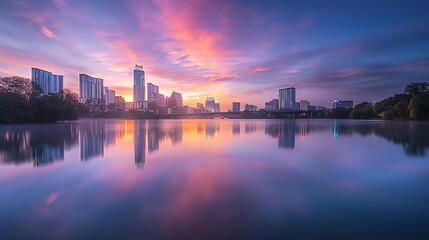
{"points": [[412, 104], [21, 102]]}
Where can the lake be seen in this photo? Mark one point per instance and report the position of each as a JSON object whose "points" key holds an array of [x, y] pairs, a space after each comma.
{"points": [[215, 179]]}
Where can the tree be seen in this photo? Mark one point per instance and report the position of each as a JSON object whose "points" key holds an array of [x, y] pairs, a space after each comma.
{"points": [[18, 85], [419, 107], [14, 108], [395, 107], [363, 110], [414, 89]]}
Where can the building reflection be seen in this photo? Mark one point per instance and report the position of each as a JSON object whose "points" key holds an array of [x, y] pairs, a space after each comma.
{"points": [[45, 144], [40, 145], [154, 136], [236, 128], [284, 131], [249, 128], [212, 128], [92, 137], [140, 144]]}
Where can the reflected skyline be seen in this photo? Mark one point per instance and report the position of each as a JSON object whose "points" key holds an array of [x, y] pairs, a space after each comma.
{"points": [[187, 175], [37, 144]]}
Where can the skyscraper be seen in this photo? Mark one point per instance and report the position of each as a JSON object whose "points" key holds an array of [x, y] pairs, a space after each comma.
{"points": [[217, 107], [109, 98], [210, 104], [152, 90], [287, 98], [272, 105], [236, 107], [138, 94], [46, 81], [91, 92], [175, 100]]}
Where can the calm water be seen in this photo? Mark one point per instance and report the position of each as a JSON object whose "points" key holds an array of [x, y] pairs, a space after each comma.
{"points": [[215, 179]]}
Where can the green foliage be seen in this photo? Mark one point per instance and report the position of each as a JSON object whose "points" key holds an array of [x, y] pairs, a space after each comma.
{"points": [[363, 111], [340, 113], [18, 85], [20, 102], [395, 107], [414, 89], [14, 108], [419, 107]]}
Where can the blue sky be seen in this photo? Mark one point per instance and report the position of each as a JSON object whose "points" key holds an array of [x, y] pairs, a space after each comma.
{"points": [[233, 50]]}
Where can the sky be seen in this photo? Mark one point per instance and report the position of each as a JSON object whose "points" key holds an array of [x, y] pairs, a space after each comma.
{"points": [[234, 50]]}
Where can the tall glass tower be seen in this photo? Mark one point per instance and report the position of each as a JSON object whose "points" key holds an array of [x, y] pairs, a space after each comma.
{"points": [[287, 98], [138, 86], [46, 81]]}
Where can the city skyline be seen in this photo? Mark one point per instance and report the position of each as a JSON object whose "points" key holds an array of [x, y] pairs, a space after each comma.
{"points": [[207, 48]]}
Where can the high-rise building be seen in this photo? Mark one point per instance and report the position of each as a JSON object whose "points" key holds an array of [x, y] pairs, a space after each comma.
{"points": [[56, 84], [287, 98], [91, 92], [250, 107], [304, 105], [210, 104], [109, 98], [138, 86], [342, 104], [160, 101], [236, 107], [272, 105], [119, 103], [175, 100], [46, 81], [152, 90], [217, 107], [297, 105]]}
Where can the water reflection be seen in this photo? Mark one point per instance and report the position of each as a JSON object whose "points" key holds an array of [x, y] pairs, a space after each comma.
{"points": [[37, 144], [140, 144], [213, 179], [45, 144]]}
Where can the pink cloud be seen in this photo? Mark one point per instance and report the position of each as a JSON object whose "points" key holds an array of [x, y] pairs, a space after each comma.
{"points": [[47, 32]]}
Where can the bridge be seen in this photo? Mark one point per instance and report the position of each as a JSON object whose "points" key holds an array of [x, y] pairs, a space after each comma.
{"points": [[245, 114]]}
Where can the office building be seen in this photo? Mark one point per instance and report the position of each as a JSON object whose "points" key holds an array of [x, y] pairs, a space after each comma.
{"points": [[250, 107], [217, 107], [304, 105], [160, 101], [236, 107], [175, 100], [46, 81], [152, 90], [272, 105], [342, 104], [138, 85], [200, 106], [91, 92], [109, 98], [287, 98], [119, 103], [210, 104]]}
